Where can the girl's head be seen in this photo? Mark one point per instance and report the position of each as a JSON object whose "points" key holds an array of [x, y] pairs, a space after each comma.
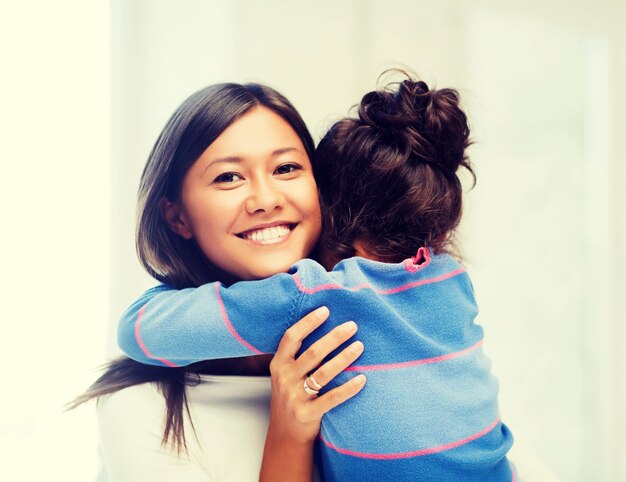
{"points": [[228, 191], [387, 178]]}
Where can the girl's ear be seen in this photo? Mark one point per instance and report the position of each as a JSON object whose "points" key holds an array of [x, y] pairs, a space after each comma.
{"points": [[175, 218]]}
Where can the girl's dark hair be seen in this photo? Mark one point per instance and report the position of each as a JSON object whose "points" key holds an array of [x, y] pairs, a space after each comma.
{"points": [[165, 255], [388, 176]]}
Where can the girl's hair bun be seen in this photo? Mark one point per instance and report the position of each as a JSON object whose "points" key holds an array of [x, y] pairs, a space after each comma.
{"points": [[387, 176], [428, 125]]}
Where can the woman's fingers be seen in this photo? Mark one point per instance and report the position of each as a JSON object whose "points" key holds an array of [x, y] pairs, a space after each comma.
{"points": [[293, 337], [335, 365], [315, 354], [338, 395]]}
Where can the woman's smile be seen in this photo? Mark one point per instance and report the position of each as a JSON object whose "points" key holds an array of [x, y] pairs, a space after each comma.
{"points": [[269, 234]]}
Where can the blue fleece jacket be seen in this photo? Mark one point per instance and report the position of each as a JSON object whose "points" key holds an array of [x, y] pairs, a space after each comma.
{"points": [[429, 409]]}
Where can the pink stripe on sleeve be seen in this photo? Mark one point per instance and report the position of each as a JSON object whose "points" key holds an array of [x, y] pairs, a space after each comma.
{"points": [[414, 453], [423, 282], [230, 326], [141, 344], [413, 363]]}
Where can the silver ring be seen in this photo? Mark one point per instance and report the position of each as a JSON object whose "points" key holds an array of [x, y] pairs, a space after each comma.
{"points": [[315, 384], [309, 390]]}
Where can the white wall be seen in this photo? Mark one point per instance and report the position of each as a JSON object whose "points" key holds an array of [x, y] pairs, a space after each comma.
{"points": [[55, 201]]}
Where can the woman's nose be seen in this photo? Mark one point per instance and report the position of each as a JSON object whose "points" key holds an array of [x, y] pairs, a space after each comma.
{"points": [[265, 196]]}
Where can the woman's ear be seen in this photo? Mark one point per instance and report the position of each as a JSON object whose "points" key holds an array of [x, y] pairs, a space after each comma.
{"points": [[175, 218]]}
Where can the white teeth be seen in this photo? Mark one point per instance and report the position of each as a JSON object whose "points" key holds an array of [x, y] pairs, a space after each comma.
{"points": [[268, 234]]}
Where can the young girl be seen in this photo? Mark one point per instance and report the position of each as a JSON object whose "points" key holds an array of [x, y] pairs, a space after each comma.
{"points": [[391, 200]]}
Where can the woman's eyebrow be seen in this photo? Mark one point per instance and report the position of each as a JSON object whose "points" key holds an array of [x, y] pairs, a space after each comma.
{"points": [[283, 150], [228, 159]]}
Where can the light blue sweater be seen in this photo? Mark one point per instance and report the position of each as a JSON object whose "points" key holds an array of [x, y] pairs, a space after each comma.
{"points": [[429, 409]]}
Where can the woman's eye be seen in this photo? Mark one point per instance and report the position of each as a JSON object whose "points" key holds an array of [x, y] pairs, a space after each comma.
{"points": [[287, 168], [228, 177]]}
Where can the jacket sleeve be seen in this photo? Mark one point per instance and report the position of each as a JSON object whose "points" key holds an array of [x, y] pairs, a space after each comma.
{"points": [[169, 327]]}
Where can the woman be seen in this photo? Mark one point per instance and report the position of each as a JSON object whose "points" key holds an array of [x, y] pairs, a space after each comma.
{"points": [[216, 413]]}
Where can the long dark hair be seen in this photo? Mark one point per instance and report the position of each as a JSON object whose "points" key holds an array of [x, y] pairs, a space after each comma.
{"points": [[387, 177], [165, 255]]}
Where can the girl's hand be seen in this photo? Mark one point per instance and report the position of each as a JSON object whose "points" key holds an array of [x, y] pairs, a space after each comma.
{"points": [[295, 415]]}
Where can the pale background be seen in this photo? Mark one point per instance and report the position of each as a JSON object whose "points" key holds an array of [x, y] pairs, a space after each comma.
{"points": [[87, 85]]}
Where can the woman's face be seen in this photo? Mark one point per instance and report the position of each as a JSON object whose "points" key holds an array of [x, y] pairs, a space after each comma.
{"points": [[250, 200]]}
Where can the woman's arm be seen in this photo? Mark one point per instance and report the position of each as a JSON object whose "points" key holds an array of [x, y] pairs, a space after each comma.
{"points": [[295, 416]]}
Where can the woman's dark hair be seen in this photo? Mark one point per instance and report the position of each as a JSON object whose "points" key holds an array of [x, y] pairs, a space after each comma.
{"points": [[387, 177], [165, 255]]}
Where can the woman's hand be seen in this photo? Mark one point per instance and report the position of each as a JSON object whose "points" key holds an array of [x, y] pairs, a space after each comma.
{"points": [[295, 415]]}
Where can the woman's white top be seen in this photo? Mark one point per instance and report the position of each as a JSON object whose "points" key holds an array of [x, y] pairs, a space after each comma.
{"points": [[230, 415]]}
